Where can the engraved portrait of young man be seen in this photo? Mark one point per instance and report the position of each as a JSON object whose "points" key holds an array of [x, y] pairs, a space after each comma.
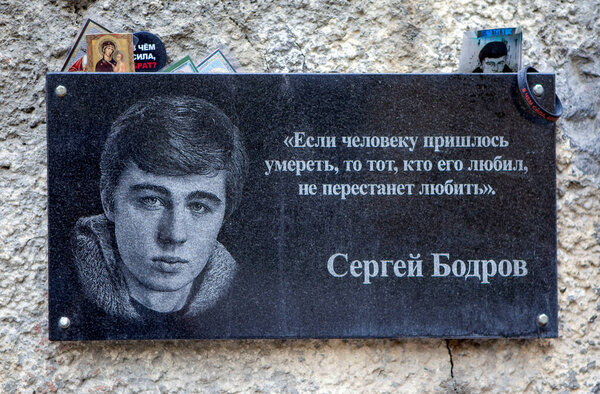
{"points": [[172, 172]]}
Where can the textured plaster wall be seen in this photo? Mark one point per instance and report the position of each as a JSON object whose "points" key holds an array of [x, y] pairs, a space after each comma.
{"points": [[301, 36]]}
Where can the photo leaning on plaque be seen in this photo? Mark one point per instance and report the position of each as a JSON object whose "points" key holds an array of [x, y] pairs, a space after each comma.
{"points": [[172, 171], [492, 58], [491, 51]]}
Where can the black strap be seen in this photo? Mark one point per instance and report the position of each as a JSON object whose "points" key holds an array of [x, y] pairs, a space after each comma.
{"points": [[532, 103]]}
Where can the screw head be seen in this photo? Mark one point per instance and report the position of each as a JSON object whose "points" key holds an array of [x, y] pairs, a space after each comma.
{"points": [[64, 322], [538, 90], [60, 91], [542, 320]]}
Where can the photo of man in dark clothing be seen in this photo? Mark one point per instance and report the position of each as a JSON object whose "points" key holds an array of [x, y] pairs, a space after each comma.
{"points": [[492, 58]]}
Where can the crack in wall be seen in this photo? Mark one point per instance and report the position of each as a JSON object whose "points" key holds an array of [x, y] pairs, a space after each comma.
{"points": [[451, 360], [244, 29]]}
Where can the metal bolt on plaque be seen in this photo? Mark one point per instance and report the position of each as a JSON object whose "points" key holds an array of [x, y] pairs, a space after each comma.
{"points": [[64, 322], [60, 91], [542, 320], [538, 90]]}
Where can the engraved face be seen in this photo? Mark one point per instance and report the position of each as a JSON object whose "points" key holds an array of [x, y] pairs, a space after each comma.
{"points": [[166, 227], [493, 65]]}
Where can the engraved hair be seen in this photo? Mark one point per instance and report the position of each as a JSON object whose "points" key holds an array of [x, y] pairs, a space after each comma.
{"points": [[174, 136]]}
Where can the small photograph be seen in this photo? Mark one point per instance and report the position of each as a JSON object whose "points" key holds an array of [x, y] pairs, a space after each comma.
{"points": [[491, 51], [220, 61], [110, 52], [77, 57], [182, 66]]}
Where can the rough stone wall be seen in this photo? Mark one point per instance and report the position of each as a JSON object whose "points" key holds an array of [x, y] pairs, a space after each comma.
{"points": [[561, 36]]}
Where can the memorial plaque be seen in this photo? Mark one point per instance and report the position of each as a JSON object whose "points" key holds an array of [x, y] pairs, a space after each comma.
{"points": [[299, 206]]}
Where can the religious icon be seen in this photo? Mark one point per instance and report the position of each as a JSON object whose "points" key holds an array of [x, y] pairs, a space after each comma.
{"points": [[110, 52]]}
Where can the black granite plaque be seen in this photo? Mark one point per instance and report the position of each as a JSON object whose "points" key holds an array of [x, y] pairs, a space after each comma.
{"points": [[299, 206]]}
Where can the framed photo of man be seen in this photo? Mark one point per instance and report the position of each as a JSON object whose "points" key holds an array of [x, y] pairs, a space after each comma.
{"points": [[110, 52], [491, 51]]}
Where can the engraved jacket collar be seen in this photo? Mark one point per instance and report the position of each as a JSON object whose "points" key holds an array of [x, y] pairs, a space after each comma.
{"points": [[99, 270]]}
